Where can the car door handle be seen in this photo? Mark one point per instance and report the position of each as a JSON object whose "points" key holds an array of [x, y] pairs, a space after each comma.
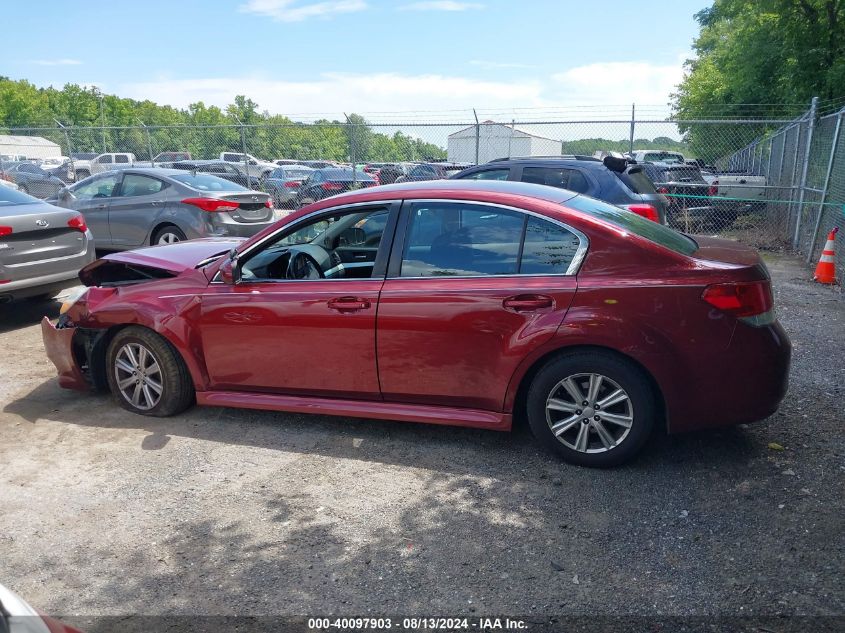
{"points": [[101, 206], [348, 304], [528, 303]]}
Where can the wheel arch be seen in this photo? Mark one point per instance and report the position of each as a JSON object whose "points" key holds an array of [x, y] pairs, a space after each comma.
{"points": [[515, 398], [162, 224]]}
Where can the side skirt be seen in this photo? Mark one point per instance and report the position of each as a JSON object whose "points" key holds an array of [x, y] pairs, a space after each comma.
{"points": [[428, 414]]}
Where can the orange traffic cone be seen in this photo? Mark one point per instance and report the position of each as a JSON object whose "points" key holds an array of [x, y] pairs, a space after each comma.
{"points": [[826, 270]]}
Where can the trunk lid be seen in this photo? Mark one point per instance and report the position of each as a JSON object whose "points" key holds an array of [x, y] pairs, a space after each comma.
{"points": [[39, 232], [252, 206], [727, 254]]}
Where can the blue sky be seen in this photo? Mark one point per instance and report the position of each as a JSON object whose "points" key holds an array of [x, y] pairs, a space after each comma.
{"points": [[371, 56]]}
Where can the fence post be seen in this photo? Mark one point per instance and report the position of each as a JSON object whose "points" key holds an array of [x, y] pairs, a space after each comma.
{"points": [[352, 149], [243, 150], [69, 147], [792, 178], [631, 133], [811, 126], [477, 135], [149, 143], [830, 162]]}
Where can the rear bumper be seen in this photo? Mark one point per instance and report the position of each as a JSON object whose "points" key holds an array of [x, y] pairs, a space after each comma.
{"points": [[744, 383], [58, 343], [39, 277], [238, 229]]}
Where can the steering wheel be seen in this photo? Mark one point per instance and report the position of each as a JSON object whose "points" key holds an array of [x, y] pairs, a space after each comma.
{"points": [[303, 266]]}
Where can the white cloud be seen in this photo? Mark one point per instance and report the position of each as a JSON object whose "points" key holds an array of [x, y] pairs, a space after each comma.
{"points": [[441, 5], [56, 62], [620, 82], [295, 11], [336, 93]]}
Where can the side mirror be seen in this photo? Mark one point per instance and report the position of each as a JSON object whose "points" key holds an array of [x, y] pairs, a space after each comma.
{"points": [[230, 272]]}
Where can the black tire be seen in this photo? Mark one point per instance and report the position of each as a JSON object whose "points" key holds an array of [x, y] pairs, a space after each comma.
{"points": [[175, 231], [616, 373], [177, 389]]}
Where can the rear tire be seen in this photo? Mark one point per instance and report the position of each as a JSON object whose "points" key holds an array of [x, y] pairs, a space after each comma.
{"points": [[611, 427], [167, 235], [146, 374]]}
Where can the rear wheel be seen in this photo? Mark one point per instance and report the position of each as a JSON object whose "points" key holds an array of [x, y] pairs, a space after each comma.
{"points": [[592, 408], [146, 375], [167, 235]]}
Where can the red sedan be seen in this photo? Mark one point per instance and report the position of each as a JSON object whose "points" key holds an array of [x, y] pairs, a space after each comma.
{"points": [[450, 302]]}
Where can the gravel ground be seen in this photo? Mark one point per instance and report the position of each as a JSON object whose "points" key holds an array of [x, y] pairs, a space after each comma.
{"points": [[250, 513]]}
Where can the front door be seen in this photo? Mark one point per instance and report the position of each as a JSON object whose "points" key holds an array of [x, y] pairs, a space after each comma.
{"points": [[302, 319], [92, 199], [471, 290]]}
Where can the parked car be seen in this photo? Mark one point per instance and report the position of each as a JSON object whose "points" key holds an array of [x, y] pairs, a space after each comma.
{"points": [[431, 171], [17, 616], [170, 157], [322, 183], [8, 183], [287, 161], [80, 165], [456, 302], [612, 180], [42, 247], [391, 172], [318, 164], [254, 166], [137, 206], [657, 156], [283, 184], [31, 179], [230, 171], [691, 207], [54, 161]]}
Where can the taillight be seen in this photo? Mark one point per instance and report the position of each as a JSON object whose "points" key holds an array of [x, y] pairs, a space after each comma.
{"points": [[645, 210], [5, 230], [663, 190], [713, 189], [211, 205], [292, 184], [750, 301], [268, 203], [77, 223], [332, 186]]}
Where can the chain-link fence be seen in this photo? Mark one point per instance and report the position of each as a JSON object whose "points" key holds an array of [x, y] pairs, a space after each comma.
{"points": [[770, 182]]}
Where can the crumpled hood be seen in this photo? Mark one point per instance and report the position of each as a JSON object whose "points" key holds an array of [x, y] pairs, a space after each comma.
{"points": [[170, 258]]}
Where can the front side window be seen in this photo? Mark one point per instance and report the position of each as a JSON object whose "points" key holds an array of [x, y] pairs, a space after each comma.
{"points": [[449, 239], [339, 246], [97, 188], [104, 160], [138, 185], [488, 174]]}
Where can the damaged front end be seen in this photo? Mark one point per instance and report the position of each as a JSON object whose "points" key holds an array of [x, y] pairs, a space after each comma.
{"points": [[76, 343]]}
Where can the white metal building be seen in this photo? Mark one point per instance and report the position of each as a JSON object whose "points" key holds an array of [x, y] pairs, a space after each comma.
{"points": [[497, 140], [28, 146]]}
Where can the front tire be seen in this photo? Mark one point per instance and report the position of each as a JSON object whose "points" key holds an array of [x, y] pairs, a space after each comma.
{"points": [[592, 408], [146, 375]]}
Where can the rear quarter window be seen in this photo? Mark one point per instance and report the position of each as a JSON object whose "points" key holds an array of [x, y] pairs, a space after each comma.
{"points": [[637, 180], [633, 223]]}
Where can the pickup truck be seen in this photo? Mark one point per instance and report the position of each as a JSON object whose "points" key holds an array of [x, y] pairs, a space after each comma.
{"points": [[80, 169], [738, 190], [254, 166]]}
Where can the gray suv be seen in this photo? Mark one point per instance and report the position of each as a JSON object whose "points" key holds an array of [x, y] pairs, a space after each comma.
{"points": [[138, 206]]}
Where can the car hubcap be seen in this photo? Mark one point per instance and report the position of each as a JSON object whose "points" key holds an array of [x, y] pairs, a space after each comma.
{"points": [[138, 376], [168, 238], [589, 413]]}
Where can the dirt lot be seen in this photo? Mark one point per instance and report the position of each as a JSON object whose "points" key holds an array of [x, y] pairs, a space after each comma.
{"points": [[235, 512]]}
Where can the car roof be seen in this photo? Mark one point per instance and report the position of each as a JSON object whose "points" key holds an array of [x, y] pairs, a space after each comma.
{"points": [[401, 190], [547, 161]]}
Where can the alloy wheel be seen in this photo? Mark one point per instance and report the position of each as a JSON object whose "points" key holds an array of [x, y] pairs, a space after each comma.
{"points": [[589, 413], [168, 238], [138, 376]]}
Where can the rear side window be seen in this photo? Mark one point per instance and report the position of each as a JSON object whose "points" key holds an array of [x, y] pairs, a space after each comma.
{"points": [[121, 158], [637, 180], [684, 174], [207, 182], [633, 223], [465, 240], [571, 179]]}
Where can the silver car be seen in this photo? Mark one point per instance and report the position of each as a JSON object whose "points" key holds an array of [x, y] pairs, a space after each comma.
{"points": [[284, 182], [42, 247], [138, 206]]}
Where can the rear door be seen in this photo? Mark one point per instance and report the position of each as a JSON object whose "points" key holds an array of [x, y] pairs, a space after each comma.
{"points": [[135, 208], [92, 199], [471, 290]]}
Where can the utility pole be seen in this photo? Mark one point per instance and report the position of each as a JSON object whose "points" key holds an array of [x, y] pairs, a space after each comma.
{"points": [[477, 135], [633, 119], [69, 148], [103, 120], [149, 142]]}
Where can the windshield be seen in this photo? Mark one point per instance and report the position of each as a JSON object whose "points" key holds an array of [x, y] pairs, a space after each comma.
{"points": [[206, 182], [633, 223], [9, 196]]}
